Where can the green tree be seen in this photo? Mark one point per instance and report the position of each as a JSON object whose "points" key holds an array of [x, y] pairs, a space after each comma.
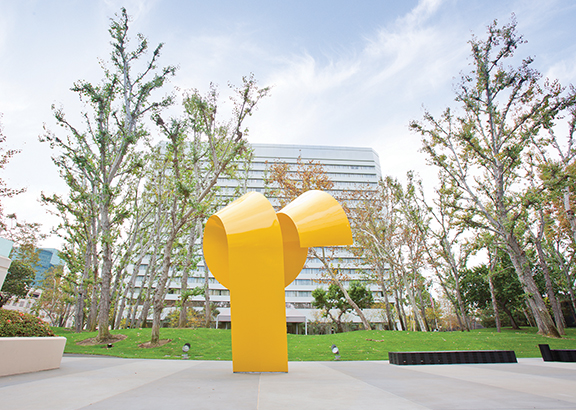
{"points": [[18, 281], [57, 297], [371, 213], [285, 184], [105, 153], [200, 149], [446, 247], [333, 299], [508, 292], [5, 191], [553, 177], [397, 235], [482, 151]]}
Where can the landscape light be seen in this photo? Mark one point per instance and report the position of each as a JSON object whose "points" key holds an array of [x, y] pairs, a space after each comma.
{"points": [[336, 352], [185, 350]]}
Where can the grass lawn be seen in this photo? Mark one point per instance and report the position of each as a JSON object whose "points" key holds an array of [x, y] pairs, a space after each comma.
{"points": [[211, 344]]}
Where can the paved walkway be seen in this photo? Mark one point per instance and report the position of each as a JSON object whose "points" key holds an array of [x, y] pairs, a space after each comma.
{"points": [[113, 383]]}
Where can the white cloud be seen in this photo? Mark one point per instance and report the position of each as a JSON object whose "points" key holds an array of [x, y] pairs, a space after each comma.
{"points": [[421, 13], [137, 9]]}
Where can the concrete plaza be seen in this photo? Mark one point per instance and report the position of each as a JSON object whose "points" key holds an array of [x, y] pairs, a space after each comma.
{"points": [[113, 383]]}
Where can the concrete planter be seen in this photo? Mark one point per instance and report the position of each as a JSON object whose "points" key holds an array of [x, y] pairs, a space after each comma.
{"points": [[30, 354]]}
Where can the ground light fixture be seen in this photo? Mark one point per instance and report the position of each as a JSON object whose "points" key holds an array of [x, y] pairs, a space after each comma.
{"points": [[336, 352], [185, 350]]}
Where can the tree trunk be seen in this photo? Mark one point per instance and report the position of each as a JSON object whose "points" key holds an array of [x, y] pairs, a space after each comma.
{"points": [[461, 306], [558, 316], [106, 276], [422, 306], [83, 290], [527, 315], [207, 306], [389, 317], [159, 293], [129, 292], [183, 318], [401, 315], [94, 302], [454, 302], [513, 322], [494, 304], [570, 213], [541, 315], [143, 319], [415, 309], [341, 286]]}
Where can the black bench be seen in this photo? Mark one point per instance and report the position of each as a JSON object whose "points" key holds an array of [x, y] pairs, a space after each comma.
{"points": [[557, 355], [453, 357]]}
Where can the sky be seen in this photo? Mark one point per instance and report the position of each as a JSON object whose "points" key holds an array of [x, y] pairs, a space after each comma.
{"points": [[342, 73]]}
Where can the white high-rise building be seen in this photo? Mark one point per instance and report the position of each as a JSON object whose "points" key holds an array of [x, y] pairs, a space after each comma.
{"points": [[349, 168]]}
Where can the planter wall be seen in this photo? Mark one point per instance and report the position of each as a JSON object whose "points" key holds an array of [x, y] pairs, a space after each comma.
{"points": [[30, 354]]}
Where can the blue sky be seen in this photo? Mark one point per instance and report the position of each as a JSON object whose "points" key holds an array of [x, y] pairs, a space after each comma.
{"points": [[343, 73]]}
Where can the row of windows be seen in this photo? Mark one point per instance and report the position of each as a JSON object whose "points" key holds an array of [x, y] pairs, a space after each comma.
{"points": [[213, 292], [259, 175], [289, 293], [298, 294], [201, 280], [259, 165]]}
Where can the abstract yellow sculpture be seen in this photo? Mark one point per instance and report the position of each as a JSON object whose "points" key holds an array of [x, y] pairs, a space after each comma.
{"points": [[256, 252]]}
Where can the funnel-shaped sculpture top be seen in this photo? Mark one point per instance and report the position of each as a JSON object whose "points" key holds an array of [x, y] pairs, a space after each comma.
{"points": [[319, 219], [238, 229]]}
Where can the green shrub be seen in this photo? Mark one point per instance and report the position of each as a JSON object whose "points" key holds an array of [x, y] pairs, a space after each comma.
{"points": [[17, 324]]}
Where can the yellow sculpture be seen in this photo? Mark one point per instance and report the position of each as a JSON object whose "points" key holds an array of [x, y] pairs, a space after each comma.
{"points": [[256, 252]]}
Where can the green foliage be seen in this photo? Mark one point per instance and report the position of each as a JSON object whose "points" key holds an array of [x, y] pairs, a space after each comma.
{"points": [[5, 191], [483, 146], [194, 319], [188, 293], [18, 280], [334, 299], [360, 294], [57, 296], [507, 288], [18, 324]]}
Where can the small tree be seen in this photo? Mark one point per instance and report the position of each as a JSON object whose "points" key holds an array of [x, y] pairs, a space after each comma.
{"points": [[334, 299], [18, 281], [57, 297]]}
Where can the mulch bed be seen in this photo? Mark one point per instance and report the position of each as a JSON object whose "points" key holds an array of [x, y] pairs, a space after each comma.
{"points": [[93, 341]]}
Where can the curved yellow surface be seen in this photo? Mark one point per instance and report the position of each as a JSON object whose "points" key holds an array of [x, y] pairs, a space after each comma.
{"points": [[319, 220], [294, 255], [216, 250], [255, 253], [243, 249]]}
